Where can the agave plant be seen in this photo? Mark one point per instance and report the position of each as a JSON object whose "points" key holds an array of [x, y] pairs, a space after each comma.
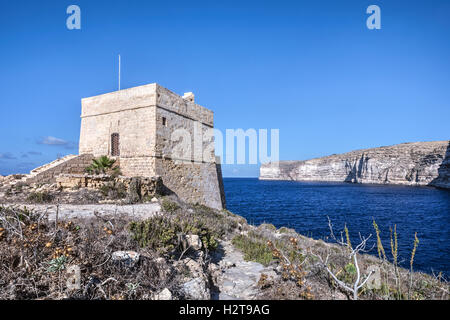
{"points": [[101, 165], [57, 264]]}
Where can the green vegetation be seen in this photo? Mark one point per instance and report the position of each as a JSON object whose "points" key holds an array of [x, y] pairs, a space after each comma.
{"points": [[169, 206], [348, 273], [380, 248], [36, 252], [57, 264], [254, 248], [40, 197], [156, 233], [114, 190], [162, 233], [103, 165]]}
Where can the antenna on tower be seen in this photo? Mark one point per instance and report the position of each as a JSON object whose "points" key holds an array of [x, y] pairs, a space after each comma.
{"points": [[119, 72]]}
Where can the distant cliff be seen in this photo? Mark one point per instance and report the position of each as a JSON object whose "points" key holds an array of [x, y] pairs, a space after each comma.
{"points": [[418, 163]]}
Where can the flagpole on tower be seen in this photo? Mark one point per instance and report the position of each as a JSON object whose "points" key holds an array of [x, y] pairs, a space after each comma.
{"points": [[119, 72]]}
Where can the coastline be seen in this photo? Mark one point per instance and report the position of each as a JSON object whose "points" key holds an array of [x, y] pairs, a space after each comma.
{"points": [[242, 266]]}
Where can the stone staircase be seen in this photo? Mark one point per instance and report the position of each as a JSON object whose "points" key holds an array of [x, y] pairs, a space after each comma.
{"points": [[52, 164], [73, 164]]}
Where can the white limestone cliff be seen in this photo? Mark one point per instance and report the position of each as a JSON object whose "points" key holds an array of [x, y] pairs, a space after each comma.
{"points": [[418, 163]]}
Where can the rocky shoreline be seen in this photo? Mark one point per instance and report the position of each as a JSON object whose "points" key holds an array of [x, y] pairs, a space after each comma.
{"points": [[414, 164]]}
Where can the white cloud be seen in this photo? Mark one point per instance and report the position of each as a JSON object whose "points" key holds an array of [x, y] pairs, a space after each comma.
{"points": [[52, 141]]}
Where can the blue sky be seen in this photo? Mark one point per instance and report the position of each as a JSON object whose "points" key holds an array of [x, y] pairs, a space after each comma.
{"points": [[311, 69]]}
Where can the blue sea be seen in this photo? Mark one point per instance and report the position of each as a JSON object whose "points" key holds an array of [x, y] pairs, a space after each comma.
{"points": [[304, 206]]}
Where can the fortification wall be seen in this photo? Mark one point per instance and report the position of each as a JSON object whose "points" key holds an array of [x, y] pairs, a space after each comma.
{"points": [[192, 182], [138, 166], [135, 127], [183, 138], [172, 102], [127, 99], [185, 150], [220, 180], [184, 130]]}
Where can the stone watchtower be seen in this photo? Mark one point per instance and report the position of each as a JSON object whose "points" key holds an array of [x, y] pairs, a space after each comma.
{"points": [[143, 127]]}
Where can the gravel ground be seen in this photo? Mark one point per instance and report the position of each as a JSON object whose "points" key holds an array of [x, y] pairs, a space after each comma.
{"points": [[69, 211]]}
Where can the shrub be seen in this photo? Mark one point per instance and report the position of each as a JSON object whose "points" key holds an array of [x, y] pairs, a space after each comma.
{"points": [[156, 233], [169, 206], [40, 197], [114, 190], [254, 249], [161, 233], [237, 218], [283, 230], [221, 223], [196, 225]]}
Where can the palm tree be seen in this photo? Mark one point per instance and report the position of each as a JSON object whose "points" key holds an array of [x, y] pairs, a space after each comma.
{"points": [[101, 165]]}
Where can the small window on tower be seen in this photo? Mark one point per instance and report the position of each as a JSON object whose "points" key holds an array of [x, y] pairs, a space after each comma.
{"points": [[164, 121], [115, 151]]}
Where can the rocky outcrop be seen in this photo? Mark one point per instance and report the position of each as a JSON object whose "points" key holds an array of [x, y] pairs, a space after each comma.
{"points": [[419, 163]]}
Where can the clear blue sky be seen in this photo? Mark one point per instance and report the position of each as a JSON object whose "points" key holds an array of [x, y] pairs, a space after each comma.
{"points": [[309, 68]]}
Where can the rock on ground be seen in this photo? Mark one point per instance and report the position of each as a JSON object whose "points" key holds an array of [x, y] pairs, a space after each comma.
{"points": [[165, 294], [196, 289], [239, 278]]}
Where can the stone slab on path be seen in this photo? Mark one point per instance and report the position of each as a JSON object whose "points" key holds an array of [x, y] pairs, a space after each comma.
{"points": [[239, 279]]}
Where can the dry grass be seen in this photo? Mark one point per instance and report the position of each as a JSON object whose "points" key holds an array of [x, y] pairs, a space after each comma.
{"points": [[303, 277], [35, 254]]}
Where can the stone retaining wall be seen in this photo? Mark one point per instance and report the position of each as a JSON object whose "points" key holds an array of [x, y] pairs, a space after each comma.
{"points": [[147, 186]]}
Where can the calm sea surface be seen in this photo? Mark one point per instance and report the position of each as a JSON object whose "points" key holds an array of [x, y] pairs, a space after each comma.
{"points": [[305, 206]]}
